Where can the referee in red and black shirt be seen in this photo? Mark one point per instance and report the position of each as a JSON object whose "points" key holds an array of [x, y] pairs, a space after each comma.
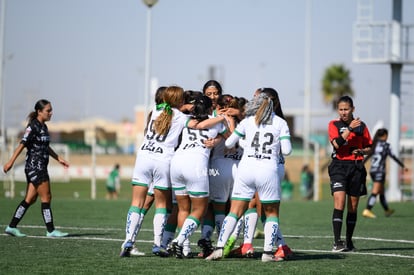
{"points": [[351, 140]]}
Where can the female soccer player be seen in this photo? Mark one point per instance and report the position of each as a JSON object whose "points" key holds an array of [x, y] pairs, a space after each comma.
{"points": [[153, 161], [381, 150], [266, 136], [351, 140], [190, 178], [36, 140]]}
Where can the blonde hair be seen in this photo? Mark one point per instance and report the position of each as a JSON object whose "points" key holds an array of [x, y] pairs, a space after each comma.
{"points": [[265, 110], [173, 97]]}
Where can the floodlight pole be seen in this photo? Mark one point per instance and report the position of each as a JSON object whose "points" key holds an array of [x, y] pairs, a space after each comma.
{"points": [[2, 106], [393, 192], [307, 87], [147, 92]]}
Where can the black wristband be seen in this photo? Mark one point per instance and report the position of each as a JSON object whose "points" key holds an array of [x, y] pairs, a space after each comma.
{"points": [[340, 141], [350, 129]]}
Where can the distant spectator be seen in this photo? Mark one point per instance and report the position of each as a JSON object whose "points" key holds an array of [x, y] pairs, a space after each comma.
{"points": [[113, 183], [287, 188], [306, 183]]}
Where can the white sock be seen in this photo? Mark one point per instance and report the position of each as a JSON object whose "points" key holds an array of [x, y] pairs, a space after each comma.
{"points": [[239, 226], [186, 247], [229, 224], [270, 231], [159, 221], [279, 239], [132, 223], [250, 222], [218, 219], [190, 225]]}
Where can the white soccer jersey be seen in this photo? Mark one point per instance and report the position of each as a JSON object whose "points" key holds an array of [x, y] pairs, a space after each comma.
{"points": [[262, 142], [260, 159], [161, 147], [192, 141], [152, 164], [189, 166]]}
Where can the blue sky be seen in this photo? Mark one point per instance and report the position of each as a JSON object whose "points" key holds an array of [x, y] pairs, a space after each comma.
{"points": [[88, 56]]}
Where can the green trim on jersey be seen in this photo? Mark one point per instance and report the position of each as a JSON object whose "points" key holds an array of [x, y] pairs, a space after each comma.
{"points": [[135, 183], [284, 137], [238, 133]]}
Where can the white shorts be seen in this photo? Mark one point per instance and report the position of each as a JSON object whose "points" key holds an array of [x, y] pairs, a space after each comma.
{"points": [[251, 178], [148, 170], [221, 177], [189, 175]]}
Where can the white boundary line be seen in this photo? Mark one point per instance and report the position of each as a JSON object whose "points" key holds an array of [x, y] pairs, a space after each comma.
{"points": [[287, 236]]}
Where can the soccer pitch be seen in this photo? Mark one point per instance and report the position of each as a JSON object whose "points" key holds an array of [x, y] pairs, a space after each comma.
{"points": [[96, 227]]}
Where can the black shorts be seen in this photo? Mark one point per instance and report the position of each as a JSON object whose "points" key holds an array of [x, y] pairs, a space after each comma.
{"points": [[348, 176], [378, 177], [36, 176]]}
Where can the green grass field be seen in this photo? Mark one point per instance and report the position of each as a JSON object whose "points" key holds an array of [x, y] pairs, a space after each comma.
{"points": [[96, 227]]}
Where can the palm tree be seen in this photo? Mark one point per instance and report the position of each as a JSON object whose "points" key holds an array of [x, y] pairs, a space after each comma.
{"points": [[336, 82]]}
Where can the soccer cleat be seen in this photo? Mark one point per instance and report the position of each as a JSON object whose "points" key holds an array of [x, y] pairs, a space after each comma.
{"points": [[177, 250], [126, 249], [206, 246], [283, 252], [135, 252], [159, 251], [229, 246], [288, 251], [187, 254], [217, 254], [338, 246], [389, 212], [268, 256], [56, 234], [247, 250], [349, 247], [13, 231], [368, 214]]}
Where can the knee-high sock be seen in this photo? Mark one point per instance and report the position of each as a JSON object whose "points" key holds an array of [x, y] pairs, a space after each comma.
{"points": [[133, 223], [47, 216], [159, 221], [227, 228], [371, 201], [383, 202], [250, 222], [19, 213], [351, 219], [218, 220], [238, 228], [190, 225], [168, 235], [207, 229], [186, 247], [337, 223], [270, 231], [280, 240]]}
